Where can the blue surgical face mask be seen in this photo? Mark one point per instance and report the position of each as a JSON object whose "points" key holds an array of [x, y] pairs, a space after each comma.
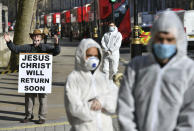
{"points": [[111, 29], [164, 51]]}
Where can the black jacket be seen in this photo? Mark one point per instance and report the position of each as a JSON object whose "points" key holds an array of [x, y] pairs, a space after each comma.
{"points": [[30, 48]]}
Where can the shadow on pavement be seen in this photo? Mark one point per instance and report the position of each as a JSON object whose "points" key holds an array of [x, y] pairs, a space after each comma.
{"points": [[7, 118], [124, 50], [13, 113], [3, 68], [1, 94], [13, 74], [68, 55], [9, 83], [8, 88], [66, 43], [70, 44], [9, 79], [58, 83], [16, 103]]}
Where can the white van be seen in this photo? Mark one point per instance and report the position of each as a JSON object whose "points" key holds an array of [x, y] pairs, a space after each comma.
{"points": [[187, 17]]}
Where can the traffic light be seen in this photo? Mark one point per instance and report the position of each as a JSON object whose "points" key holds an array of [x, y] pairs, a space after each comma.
{"points": [[112, 1]]}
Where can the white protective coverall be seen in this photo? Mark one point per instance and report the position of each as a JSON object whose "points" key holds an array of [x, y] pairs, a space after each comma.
{"points": [[111, 41], [81, 86], [155, 98]]}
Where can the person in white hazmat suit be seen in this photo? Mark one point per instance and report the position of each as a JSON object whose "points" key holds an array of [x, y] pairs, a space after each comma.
{"points": [[111, 43], [157, 93], [90, 98]]}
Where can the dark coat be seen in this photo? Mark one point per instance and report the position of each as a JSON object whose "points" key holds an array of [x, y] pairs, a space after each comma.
{"points": [[30, 48]]}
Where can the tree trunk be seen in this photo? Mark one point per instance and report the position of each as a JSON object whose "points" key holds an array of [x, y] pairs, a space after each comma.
{"points": [[22, 29], [35, 15], [191, 4]]}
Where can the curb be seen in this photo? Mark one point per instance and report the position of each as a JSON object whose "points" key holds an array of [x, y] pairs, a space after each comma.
{"points": [[8, 72], [35, 126], [65, 123]]}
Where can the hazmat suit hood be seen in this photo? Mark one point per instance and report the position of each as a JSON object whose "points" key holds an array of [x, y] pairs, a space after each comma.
{"points": [[168, 21], [80, 53]]}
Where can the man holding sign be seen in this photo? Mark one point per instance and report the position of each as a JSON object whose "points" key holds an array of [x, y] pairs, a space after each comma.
{"points": [[36, 47]]}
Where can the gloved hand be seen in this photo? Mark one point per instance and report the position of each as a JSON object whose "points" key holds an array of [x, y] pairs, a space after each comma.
{"points": [[107, 53]]}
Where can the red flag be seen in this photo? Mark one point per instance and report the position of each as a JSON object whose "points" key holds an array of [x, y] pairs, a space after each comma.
{"points": [[86, 10], [45, 19], [84, 13], [105, 8], [56, 18], [79, 14], [125, 26], [87, 13], [67, 17]]}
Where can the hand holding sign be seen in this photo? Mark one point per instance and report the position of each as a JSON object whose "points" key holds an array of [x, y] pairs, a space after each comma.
{"points": [[7, 37]]}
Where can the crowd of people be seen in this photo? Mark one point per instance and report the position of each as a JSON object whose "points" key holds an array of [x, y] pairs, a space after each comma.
{"points": [[156, 93]]}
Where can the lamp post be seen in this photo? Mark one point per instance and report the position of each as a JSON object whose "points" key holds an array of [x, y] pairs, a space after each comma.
{"points": [[82, 21], [51, 9], [95, 30], [60, 6], [163, 4], [136, 46], [112, 5], [44, 6], [16, 9], [113, 19], [70, 33]]}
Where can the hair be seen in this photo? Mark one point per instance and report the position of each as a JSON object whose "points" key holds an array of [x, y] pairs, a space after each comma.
{"points": [[112, 23]]}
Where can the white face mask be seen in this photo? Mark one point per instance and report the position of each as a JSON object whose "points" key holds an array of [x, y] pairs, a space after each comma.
{"points": [[92, 63], [111, 29]]}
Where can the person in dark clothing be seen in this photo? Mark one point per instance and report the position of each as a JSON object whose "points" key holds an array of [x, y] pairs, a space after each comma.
{"points": [[36, 47], [54, 30], [46, 34]]}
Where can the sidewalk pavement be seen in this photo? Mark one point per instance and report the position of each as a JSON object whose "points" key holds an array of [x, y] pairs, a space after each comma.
{"points": [[12, 103]]}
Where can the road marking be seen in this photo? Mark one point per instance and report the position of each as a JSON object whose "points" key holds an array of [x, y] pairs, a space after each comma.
{"points": [[43, 125], [35, 126]]}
